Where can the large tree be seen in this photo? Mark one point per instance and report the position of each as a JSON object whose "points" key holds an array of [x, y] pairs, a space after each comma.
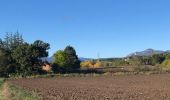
{"points": [[60, 59], [40, 49], [1, 43], [17, 56], [11, 41], [22, 54], [7, 65], [66, 59], [71, 57], [29, 56]]}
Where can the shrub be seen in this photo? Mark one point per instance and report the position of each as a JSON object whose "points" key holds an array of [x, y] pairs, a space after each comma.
{"points": [[98, 64], [166, 64], [87, 64], [2, 80]]}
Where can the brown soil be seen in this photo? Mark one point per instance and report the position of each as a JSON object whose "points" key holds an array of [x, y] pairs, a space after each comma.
{"points": [[133, 87]]}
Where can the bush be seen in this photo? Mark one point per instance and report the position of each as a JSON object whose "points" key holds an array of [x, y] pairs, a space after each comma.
{"points": [[166, 64], [87, 64], [2, 80]]}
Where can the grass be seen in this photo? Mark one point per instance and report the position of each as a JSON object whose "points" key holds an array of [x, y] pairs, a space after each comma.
{"points": [[111, 71], [10, 92], [166, 65], [2, 80], [20, 94], [133, 70]]}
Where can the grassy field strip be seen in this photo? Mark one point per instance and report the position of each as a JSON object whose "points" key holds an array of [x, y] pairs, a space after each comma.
{"points": [[2, 80], [20, 94], [10, 92]]}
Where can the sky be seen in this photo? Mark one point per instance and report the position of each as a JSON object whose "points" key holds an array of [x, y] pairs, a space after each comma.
{"points": [[109, 28]]}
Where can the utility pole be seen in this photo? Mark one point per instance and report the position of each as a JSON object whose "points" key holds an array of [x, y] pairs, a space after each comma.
{"points": [[98, 56]]}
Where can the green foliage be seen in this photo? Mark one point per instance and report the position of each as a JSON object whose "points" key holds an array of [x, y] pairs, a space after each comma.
{"points": [[4, 57], [66, 59], [27, 56], [157, 59], [60, 58], [7, 45], [39, 49], [71, 58], [2, 80], [11, 41], [120, 63], [154, 60], [166, 64], [19, 57], [22, 55], [20, 94], [147, 60], [6, 63], [135, 60]]}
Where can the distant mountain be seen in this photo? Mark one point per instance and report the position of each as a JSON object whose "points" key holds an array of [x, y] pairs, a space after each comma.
{"points": [[84, 59], [168, 51], [51, 59], [147, 52]]}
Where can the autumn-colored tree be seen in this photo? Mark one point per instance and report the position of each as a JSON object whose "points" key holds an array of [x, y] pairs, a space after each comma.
{"points": [[98, 64], [91, 64], [87, 64]]}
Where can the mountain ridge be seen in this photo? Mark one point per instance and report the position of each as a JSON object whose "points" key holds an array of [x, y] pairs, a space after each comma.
{"points": [[51, 59], [147, 52]]}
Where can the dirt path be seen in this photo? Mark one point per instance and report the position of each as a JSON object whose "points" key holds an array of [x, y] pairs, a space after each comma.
{"points": [[134, 87]]}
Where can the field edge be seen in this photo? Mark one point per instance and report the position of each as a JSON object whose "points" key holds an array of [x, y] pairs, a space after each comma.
{"points": [[11, 92]]}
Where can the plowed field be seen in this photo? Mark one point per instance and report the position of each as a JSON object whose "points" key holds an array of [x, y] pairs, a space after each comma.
{"points": [[132, 87]]}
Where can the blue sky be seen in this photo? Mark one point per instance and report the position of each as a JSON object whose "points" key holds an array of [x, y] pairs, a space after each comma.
{"points": [[112, 28]]}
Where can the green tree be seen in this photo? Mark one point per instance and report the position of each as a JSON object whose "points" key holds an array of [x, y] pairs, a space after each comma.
{"points": [[29, 56], [167, 55], [23, 56], [40, 49], [136, 60], [11, 41], [147, 61], [7, 41], [157, 59], [7, 45], [3, 61], [72, 60], [60, 58], [66, 60], [7, 66], [1, 43], [17, 56]]}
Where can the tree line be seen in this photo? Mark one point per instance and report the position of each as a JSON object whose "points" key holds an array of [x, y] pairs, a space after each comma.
{"points": [[18, 57], [153, 60]]}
